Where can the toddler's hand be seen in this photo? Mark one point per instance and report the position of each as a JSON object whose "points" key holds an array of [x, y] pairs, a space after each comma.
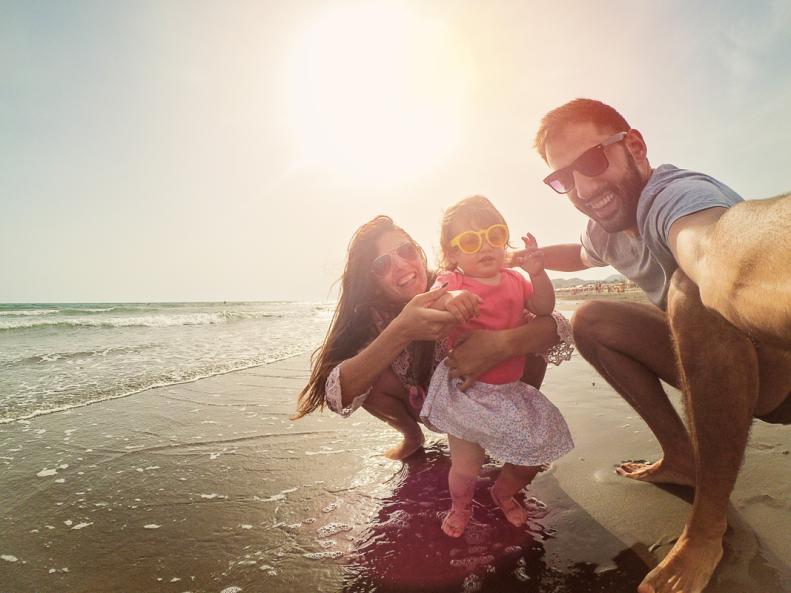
{"points": [[463, 305], [532, 258]]}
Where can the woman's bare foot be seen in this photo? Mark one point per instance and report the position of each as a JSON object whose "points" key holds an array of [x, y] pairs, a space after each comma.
{"points": [[659, 472], [687, 568], [456, 520], [514, 512], [405, 448]]}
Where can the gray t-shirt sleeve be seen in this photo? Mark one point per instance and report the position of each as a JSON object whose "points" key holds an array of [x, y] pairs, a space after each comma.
{"points": [[682, 198], [589, 243]]}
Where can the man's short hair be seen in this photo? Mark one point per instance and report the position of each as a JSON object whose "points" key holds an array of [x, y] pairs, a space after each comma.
{"points": [[579, 110]]}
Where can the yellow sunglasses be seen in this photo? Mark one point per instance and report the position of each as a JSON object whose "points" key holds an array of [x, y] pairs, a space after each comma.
{"points": [[470, 242]]}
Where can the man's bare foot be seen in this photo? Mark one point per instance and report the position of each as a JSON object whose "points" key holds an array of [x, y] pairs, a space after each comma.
{"points": [[405, 448], [514, 512], [687, 568], [659, 472], [456, 520]]}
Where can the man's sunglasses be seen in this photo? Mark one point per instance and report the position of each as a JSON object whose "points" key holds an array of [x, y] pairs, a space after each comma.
{"points": [[382, 264], [590, 163], [471, 242]]}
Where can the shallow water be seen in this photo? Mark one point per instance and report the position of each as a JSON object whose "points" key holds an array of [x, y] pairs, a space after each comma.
{"points": [[61, 356]]}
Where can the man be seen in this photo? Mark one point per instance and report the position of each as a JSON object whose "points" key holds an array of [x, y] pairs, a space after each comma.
{"points": [[719, 274]]}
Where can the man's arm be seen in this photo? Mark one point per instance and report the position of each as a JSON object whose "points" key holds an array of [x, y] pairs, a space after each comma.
{"points": [[739, 259], [568, 257], [689, 240]]}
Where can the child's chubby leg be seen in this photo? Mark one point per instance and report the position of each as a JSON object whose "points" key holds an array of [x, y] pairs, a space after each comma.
{"points": [[511, 480], [466, 460]]}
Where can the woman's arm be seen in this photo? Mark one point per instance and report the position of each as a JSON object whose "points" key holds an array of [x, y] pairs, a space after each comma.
{"points": [[415, 322], [484, 349]]}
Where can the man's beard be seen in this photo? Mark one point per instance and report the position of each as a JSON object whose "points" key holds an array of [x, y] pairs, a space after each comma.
{"points": [[627, 192]]}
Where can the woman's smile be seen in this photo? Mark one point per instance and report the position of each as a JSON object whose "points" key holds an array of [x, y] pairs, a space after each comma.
{"points": [[406, 279]]}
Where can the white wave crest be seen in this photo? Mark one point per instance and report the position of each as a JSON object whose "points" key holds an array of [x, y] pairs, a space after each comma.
{"points": [[28, 312], [134, 321]]}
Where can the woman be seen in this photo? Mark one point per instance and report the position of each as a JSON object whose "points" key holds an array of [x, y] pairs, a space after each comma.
{"points": [[385, 340]]}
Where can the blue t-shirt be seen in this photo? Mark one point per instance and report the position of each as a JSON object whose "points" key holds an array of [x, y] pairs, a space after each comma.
{"points": [[646, 259]]}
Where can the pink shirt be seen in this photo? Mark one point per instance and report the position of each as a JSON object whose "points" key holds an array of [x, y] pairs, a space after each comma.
{"points": [[503, 307]]}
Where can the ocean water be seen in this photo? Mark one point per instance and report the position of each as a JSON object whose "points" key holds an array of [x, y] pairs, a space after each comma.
{"points": [[60, 356]]}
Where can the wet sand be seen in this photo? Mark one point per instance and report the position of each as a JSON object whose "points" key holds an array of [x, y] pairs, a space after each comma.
{"points": [[208, 486]]}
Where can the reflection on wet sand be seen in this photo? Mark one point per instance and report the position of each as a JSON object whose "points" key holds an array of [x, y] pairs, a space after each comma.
{"points": [[404, 549]]}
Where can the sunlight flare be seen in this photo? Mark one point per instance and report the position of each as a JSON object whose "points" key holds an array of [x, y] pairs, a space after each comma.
{"points": [[377, 92]]}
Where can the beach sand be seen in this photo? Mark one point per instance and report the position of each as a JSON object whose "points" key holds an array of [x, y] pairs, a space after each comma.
{"points": [[208, 486]]}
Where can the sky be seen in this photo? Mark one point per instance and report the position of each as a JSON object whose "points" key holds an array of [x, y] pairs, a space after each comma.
{"points": [[210, 151]]}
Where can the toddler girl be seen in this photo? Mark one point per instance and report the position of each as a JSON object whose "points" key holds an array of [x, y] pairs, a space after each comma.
{"points": [[499, 415]]}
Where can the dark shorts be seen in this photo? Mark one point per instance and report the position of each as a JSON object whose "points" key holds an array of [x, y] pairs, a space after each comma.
{"points": [[780, 415]]}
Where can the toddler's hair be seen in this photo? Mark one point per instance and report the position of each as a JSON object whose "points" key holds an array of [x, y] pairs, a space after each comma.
{"points": [[475, 210]]}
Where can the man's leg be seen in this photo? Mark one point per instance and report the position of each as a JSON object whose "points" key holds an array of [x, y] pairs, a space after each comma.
{"points": [[389, 402], [719, 369], [774, 397], [630, 345]]}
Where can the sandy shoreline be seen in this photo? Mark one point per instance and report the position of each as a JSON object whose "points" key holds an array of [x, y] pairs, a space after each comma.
{"points": [[208, 485]]}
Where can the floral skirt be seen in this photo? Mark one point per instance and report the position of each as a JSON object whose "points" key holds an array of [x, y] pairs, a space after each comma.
{"points": [[513, 422]]}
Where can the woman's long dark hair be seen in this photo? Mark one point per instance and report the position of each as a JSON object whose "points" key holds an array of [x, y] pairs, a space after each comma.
{"points": [[360, 303]]}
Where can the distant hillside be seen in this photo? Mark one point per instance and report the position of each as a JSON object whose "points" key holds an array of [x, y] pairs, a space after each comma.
{"points": [[567, 282], [571, 282]]}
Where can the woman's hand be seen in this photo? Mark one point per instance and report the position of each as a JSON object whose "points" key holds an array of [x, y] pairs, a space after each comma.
{"points": [[463, 304], [418, 321]]}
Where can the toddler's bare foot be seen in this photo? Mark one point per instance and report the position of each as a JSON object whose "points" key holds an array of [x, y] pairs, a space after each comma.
{"points": [[405, 448], [456, 520], [514, 512], [660, 472]]}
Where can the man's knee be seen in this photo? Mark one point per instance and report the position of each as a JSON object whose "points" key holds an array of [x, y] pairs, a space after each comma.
{"points": [[687, 313], [588, 325], [682, 289], [683, 302]]}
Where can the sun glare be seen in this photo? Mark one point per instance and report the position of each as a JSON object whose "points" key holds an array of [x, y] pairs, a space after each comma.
{"points": [[377, 92]]}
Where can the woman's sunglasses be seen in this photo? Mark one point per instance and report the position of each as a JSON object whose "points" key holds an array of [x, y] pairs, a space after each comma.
{"points": [[590, 163], [382, 264], [470, 242]]}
